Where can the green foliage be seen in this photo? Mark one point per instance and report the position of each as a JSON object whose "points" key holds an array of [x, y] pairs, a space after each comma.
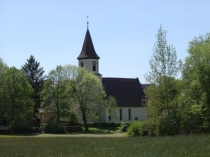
{"points": [[55, 92], [143, 128], [53, 128], [195, 98], [111, 105], [34, 74], [3, 68], [88, 94], [163, 91], [70, 88], [73, 120], [18, 107], [134, 129]]}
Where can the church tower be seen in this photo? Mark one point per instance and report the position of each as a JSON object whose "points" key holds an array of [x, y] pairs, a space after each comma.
{"points": [[88, 57]]}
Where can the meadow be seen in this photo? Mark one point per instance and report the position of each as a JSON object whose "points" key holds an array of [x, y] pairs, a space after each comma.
{"points": [[101, 145]]}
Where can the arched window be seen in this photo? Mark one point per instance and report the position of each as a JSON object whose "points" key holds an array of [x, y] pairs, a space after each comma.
{"points": [[94, 65], [81, 64]]}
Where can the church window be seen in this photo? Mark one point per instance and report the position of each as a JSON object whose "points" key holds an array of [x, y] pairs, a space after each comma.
{"points": [[109, 112], [94, 65], [120, 114], [81, 64], [129, 114]]}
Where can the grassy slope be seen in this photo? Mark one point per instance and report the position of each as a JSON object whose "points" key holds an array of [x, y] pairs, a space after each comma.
{"points": [[193, 145]]}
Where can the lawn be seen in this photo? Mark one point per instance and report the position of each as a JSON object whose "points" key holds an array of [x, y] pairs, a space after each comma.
{"points": [[70, 145]]}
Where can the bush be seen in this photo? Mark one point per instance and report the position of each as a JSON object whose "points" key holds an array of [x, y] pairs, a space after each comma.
{"points": [[52, 128], [134, 129], [193, 120], [206, 127], [143, 128], [167, 126]]}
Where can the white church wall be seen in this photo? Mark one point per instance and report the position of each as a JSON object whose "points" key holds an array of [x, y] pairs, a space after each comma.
{"points": [[136, 113]]}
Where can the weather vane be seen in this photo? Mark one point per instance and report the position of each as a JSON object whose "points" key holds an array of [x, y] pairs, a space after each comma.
{"points": [[87, 22]]}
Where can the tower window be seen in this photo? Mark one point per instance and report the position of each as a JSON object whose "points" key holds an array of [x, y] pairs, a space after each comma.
{"points": [[129, 114], [81, 64], [94, 65]]}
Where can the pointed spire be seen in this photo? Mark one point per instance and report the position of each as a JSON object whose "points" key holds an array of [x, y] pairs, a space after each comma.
{"points": [[88, 51], [87, 22]]}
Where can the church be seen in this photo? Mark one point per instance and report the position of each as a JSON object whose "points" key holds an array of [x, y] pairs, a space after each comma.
{"points": [[128, 92]]}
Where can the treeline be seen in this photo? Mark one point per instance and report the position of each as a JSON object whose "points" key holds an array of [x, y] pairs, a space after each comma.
{"points": [[66, 94], [177, 106]]}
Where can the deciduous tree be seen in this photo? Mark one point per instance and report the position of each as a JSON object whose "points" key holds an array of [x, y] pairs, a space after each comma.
{"points": [[196, 76], [88, 94], [17, 92], [55, 96], [164, 67]]}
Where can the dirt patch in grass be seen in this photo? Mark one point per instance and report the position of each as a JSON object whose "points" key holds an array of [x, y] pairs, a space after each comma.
{"points": [[81, 135]]}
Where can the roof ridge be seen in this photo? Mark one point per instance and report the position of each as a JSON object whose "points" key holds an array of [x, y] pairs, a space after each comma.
{"points": [[120, 78]]}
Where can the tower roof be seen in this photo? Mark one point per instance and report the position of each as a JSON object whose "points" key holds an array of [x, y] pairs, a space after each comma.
{"points": [[88, 51]]}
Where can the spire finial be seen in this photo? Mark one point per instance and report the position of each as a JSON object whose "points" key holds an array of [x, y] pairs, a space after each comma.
{"points": [[87, 22]]}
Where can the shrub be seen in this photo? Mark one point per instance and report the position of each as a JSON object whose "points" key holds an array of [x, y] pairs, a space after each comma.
{"points": [[134, 129], [143, 128], [167, 126], [193, 120], [53, 128]]}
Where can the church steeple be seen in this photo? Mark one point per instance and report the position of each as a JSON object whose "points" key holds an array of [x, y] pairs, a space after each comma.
{"points": [[88, 57], [88, 51]]}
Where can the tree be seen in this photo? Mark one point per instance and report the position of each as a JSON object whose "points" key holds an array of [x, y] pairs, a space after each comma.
{"points": [[17, 102], [199, 58], [3, 68], [164, 67], [55, 94], [111, 105], [70, 87], [88, 93], [196, 75], [35, 76]]}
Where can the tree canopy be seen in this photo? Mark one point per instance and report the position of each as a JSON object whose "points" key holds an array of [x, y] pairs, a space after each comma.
{"points": [[70, 87], [164, 67], [35, 76], [16, 102]]}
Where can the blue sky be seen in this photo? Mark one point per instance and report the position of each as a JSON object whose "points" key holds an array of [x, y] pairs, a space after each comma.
{"points": [[123, 32]]}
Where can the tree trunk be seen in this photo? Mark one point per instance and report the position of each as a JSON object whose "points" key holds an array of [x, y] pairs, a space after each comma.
{"points": [[85, 121]]}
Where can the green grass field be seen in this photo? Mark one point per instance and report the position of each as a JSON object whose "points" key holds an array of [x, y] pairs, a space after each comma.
{"points": [[110, 146]]}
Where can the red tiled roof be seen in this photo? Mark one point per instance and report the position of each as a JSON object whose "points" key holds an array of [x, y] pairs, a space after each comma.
{"points": [[128, 92], [88, 51]]}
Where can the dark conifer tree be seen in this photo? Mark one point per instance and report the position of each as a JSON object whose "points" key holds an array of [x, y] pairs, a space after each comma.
{"points": [[35, 76]]}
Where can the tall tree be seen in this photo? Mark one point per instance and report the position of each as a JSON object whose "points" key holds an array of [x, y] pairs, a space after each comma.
{"points": [[3, 68], [196, 74], [164, 67], [88, 93], [17, 102], [55, 94], [35, 76]]}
